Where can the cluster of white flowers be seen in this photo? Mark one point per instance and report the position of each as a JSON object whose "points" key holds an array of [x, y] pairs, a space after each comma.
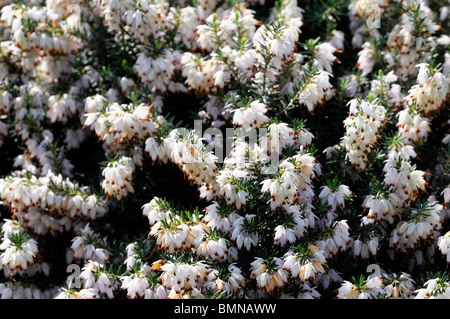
{"points": [[118, 177], [120, 125], [362, 126], [305, 265], [293, 182], [435, 288], [423, 223], [412, 125], [328, 163], [431, 91], [11, 291], [364, 289], [19, 251], [158, 73], [335, 197], [50, 203], [335, 238], [94, 278], [392, 286], [250, 117], [383, 206], [444, 245], [412, 38]]}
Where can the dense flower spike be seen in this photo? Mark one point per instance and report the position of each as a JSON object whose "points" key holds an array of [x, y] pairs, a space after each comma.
{"points": [[436, 288], [444, 245], [422, 223], [118, 176], [431, 91], [362, 126], [18, 249], [363, 289], [305, 264], [269, 274], [119, 124]]}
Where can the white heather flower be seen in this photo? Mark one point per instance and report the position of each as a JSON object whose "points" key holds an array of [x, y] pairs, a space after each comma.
{"points": [[179, 276], [398, 151], [324, 57], [337, 39], [11, 290], [395, 95], [431, 91], [156, 149], [362, 126], [60, 109], [412, 38], [83, 249], [423, 221], [172, 234], [74, 138], [446, 65], [444, 245], [303, 137], [279, 46], [228, 181], [189, 153], [225, 25], [157, 73], [232, 281], [88, 293], [132, 256], [336, 238], [199, 72], [240, 235], [352, 85], [399, 286], [366, 248], [408, 182], [316, 91], [284, 234], [155, 211], [136, 285], [305, 264], [280, 135], [18, 252], [412, 125], [156, 292], [366, 58], [335, 197], [252, 116], [293, 183], [120, 124], [94, 103], [93, 277], [118, 176], [220, 218], [446, 194], [269, 274], [381, 86], [369, 288], [364, 8], [214, 248], [435, 288], [383, 206]]}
